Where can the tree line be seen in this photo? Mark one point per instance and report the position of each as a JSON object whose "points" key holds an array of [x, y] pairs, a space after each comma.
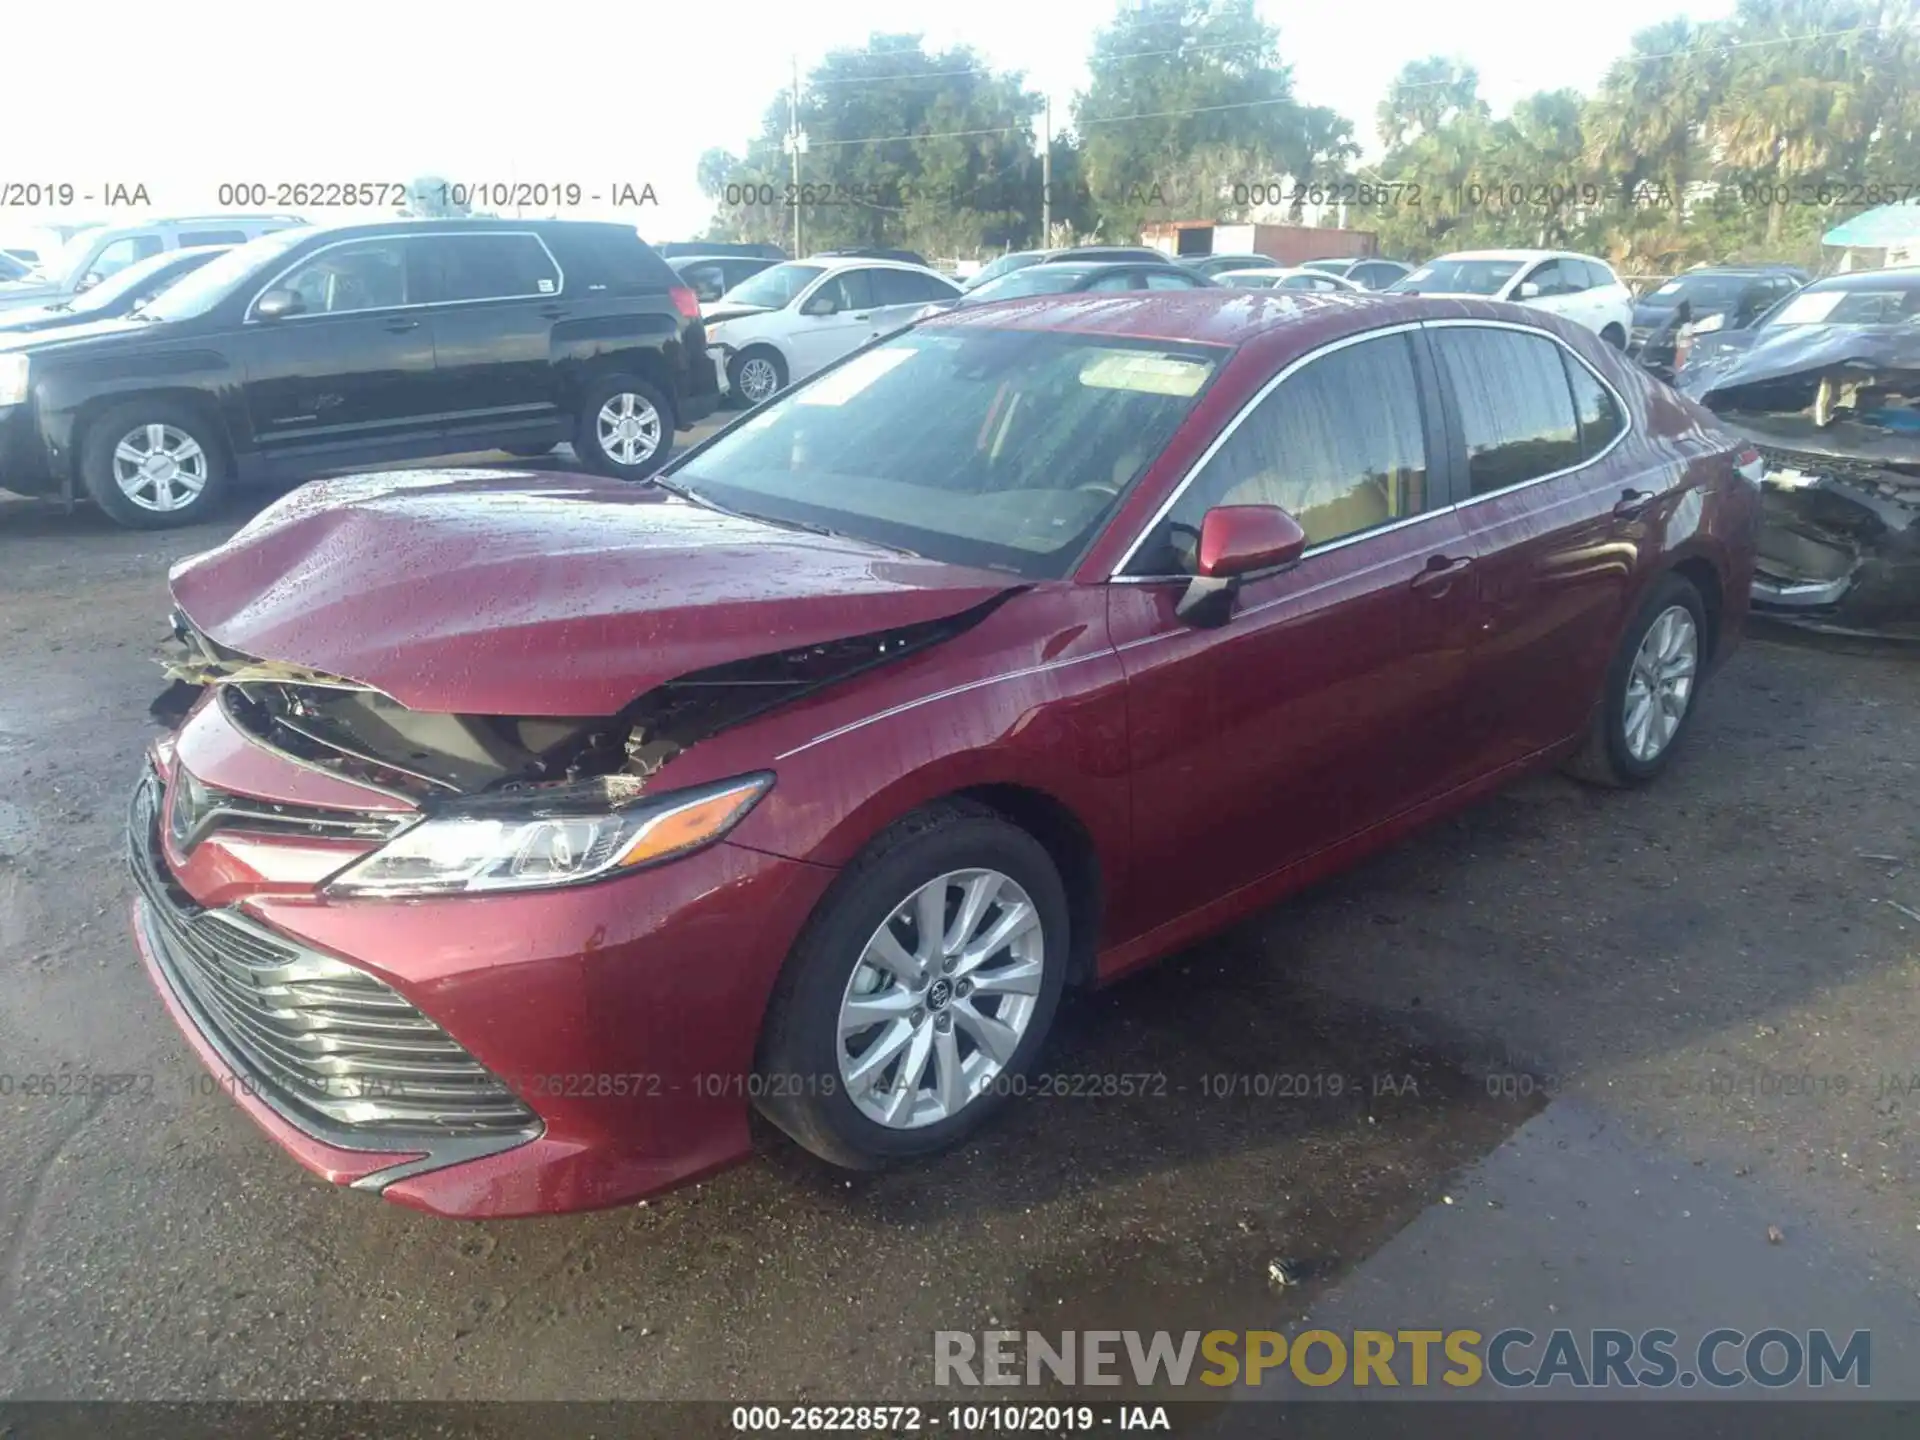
{"points": [[1741, 139]]}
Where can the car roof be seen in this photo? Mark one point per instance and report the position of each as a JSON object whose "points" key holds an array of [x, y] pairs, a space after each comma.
{"points": [[831, 263], [1213, 315], [1516, 255], [1865, 279]]}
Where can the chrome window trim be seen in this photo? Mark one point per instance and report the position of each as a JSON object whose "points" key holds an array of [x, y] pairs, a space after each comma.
{"points": [[1450, 323], [251, 319]]}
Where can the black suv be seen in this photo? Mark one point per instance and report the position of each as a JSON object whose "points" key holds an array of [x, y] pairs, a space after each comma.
{"points": [[313, 350]]}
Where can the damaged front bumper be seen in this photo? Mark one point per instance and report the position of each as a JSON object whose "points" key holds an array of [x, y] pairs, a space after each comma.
{"points": [[1840, 535]]}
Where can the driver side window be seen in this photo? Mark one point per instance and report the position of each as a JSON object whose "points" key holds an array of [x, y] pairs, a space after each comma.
{"points": [[1305, 449], [367, 275]]}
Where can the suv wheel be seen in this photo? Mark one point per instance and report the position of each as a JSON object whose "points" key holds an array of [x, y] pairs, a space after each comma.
{"points": [[920, 993], [1651, 688], [757, 375], [626, 428], [154, 464]]}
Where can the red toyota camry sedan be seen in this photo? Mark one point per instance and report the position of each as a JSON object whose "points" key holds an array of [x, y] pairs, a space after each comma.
{"points": [[519, 833]]}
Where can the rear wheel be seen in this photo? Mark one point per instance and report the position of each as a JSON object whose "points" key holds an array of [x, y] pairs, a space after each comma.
{"points": [[153, 465], [921, 991], [1651, 688], [625, 428]]}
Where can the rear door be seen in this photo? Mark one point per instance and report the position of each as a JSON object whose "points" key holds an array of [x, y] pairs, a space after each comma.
{"points": [[498, 296], [351, 376], [1328, 702], [1556, 513], [899, 295]]}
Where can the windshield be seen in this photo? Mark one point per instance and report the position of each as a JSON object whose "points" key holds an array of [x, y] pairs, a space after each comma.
{"points": [[1703, 292], [1458, 277], [1005, 265], [10, 268], [774, 288], [1034, 280], [1000, 448], [206, 287], [1877, 302], [133, 280]]}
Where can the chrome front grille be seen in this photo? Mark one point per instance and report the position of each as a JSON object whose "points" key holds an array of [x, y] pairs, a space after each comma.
{"points": [[329, 1046]]}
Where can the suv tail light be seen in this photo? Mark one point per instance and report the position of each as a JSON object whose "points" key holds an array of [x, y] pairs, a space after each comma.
{"points": [[1749, 466], [685, 301]]}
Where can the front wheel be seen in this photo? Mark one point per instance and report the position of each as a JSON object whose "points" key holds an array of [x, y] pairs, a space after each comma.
{"points": [[1651, 687], [1614, 336], [757, 375], [153, 465], [625, 429], [920, 993]]}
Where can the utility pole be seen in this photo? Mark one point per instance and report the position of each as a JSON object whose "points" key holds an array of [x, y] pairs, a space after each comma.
{"points": [[796, 144], [1046, 178]]}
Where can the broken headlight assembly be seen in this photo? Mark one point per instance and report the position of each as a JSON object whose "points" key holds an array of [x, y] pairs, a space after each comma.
{"points": [[537, 839]]}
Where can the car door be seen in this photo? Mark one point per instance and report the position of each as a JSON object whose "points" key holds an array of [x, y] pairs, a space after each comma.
{"points": [[1557, 520], [498, 298], [1326, 703], [899, 295], [350, 377], [831, 319]]}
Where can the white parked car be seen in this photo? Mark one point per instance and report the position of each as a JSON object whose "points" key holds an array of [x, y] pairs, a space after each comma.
{"points": [[1577, 287], [798, 317], [1288, 277]]}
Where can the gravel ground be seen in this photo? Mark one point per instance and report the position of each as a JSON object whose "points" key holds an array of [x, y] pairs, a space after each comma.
{"points": [[1670, 956]]}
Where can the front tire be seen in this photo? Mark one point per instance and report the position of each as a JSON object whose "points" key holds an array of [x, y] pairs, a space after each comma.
{"points": [[756, 375], [920, 992], [1652, 686], [1615, 336], [154, 465], [625, 428]]}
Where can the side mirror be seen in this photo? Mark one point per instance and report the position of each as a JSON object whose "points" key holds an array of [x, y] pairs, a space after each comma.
{"points": [[1529, 290], [88, 281], [278, 304], [1237, 541], [822, 304]]}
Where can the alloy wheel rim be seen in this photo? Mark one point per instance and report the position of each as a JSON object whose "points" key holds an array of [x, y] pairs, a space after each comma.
{"points": [[940, 999], [757, 379], [1660, 684], [160, 468], [629, 428]]}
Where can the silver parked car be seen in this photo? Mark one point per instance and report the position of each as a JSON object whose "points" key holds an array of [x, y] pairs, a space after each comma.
{"points": [[99, 251]]}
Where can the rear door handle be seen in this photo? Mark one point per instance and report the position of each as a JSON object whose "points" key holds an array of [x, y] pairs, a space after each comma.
{"points": [[1441, 572], [400, 327], [1632, 502]]}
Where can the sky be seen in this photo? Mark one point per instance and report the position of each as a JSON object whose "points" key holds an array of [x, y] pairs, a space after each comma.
{"points": [[196, 94]]}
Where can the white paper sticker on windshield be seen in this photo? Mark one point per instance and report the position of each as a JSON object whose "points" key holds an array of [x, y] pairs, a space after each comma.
{"points": [[1810, 309], [1147, 374], [853, 377]]}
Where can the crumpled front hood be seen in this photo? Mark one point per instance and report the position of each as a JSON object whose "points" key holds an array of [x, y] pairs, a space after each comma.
{"points": [[1734, 359], [490, 593]]}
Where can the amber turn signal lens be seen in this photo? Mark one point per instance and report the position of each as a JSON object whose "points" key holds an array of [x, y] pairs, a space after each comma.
{"points": [[686, 827]]}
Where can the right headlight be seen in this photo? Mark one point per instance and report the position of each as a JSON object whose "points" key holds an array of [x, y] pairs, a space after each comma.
{"points": [[13, 379], [540, 839]]}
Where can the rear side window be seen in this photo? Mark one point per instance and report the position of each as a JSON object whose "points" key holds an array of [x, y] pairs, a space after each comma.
{"points": [[608, 258], [1303, 450], [1516, 413], [191, 238], [1598, 274], [493, 267], [1595, 410]]}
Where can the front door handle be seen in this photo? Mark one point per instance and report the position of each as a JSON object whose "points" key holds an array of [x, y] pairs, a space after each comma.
{"points": [[863, 315], [1632, 502], [1441, 572], [400, 327]]}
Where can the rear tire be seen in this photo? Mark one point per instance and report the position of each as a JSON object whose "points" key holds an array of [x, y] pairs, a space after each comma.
{"points": [[625, 428], [841, 1092], [1635, 727], [154, 465]]}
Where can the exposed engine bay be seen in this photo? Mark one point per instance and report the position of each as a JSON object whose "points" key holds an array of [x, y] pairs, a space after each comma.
{"points": [[355, 731], [1835, 413]]}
